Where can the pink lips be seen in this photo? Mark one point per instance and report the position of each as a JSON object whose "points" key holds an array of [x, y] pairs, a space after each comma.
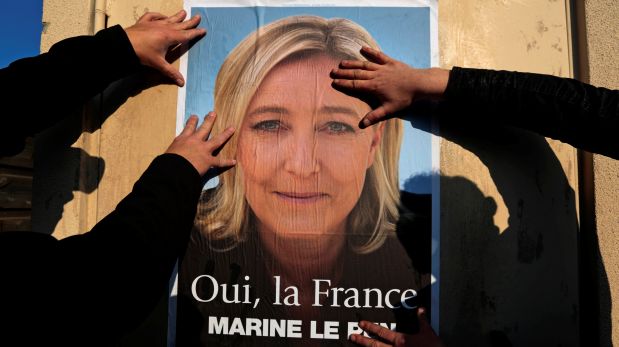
{"points": [[301, 198]]}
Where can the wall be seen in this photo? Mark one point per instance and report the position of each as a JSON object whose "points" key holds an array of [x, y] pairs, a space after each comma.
{"points": [[599, 45], [62, 161], [509, 222]]}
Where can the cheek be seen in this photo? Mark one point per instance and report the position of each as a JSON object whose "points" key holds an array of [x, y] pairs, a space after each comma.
{"points": [[345, 162], [258, 161]]}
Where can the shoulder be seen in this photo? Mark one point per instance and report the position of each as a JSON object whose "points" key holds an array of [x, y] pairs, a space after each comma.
{"points": [[25, 240], [419, 204], [414, 228]]}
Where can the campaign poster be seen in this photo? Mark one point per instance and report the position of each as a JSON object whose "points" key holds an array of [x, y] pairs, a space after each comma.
{"points": [[321, 224]]}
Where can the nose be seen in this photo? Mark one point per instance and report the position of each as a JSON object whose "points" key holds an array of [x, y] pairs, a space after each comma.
{"points": [[301, 155]]}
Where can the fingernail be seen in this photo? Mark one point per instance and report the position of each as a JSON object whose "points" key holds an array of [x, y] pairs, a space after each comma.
{"points": [[362, 325], [366, 123], [180, 82], [230, 129], [353, 337]]}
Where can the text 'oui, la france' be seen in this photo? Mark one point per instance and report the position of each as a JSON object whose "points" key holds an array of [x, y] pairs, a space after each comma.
{"points": [[323, 294]]}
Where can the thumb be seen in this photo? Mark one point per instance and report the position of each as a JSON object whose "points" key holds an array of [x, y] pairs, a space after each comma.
{"points": [[373, 117], [170, 71]]}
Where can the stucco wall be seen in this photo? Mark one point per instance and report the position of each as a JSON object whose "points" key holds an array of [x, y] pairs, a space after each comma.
{"points": [[509, 257], [601, 68], [59, 191]]}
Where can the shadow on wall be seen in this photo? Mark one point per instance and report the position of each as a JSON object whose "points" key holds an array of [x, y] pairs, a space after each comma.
{"points": [[61, 170], [519, 286]]}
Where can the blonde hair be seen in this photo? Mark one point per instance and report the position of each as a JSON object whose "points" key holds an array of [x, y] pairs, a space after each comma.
{"points": [[224, 214]]}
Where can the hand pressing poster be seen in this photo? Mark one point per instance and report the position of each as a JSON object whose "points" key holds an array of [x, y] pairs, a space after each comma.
{"points": [[321, 224]]}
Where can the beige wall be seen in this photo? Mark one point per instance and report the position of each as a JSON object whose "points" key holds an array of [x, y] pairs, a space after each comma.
{"points": [[600, 52], [509, 199], [64, 175]]}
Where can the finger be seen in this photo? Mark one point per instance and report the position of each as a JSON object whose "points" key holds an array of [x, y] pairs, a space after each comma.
{"points": [[355, 74], [225, 162], [177, 17], [185, 36], [205, 129], [358, 85], [216, 142], [170, 71], [366, 341], [190, 126], [375, 55], [188, 24], [382, 332], [359, 64], [373, 117], [150, 16]]}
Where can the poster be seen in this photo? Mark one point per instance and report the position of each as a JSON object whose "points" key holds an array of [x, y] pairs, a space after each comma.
{"points": [[320, 224]]}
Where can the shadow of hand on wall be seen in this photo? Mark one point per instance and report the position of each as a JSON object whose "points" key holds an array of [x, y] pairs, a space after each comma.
{"points": [[60, 169], [518, 286]]}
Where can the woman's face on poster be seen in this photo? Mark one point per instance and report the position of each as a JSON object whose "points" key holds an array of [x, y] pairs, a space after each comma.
{"points": [[303, 157]]}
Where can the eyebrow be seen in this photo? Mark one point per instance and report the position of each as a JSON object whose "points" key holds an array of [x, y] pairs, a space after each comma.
{"points": [[343, 110], [340, 110], [268, 109]]}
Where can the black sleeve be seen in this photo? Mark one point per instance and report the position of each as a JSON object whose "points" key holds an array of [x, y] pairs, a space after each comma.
{"points": [[90, 289], [564, 109], [37, 92], [126, 260]]}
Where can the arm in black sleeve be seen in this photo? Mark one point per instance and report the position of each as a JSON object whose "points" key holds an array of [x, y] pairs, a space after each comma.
{"points": [[37, 92], [122, 266], [90, 289], [565, 109]]}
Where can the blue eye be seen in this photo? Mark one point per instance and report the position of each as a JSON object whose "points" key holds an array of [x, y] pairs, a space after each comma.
{"points": [[339, 128], [267, 126]]}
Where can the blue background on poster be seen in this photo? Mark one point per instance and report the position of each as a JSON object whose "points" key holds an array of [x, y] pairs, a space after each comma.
{"points": [[402, 32]]}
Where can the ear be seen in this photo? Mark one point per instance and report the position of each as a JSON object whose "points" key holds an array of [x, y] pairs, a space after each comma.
{"points": [[377, 135]]}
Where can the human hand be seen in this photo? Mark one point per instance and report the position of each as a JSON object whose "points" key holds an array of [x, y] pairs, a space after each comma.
{"points": [[395, 84], [195, 146], [154, 35], [424, 338]]}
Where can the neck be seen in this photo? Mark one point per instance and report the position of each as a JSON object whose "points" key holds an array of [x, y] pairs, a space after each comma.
{"points": [[299, 260]]}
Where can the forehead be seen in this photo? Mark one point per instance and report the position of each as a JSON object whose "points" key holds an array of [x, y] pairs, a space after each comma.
{"points": [[303, 82], [308, 64]]}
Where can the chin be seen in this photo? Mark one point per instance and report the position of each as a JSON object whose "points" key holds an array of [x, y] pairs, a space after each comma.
{"points": [[300, 230]]}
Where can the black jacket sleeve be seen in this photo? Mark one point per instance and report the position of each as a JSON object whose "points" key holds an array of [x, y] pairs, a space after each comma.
{"points": [[104, 283], [37, 92], [136, 246], [564, 109]]}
